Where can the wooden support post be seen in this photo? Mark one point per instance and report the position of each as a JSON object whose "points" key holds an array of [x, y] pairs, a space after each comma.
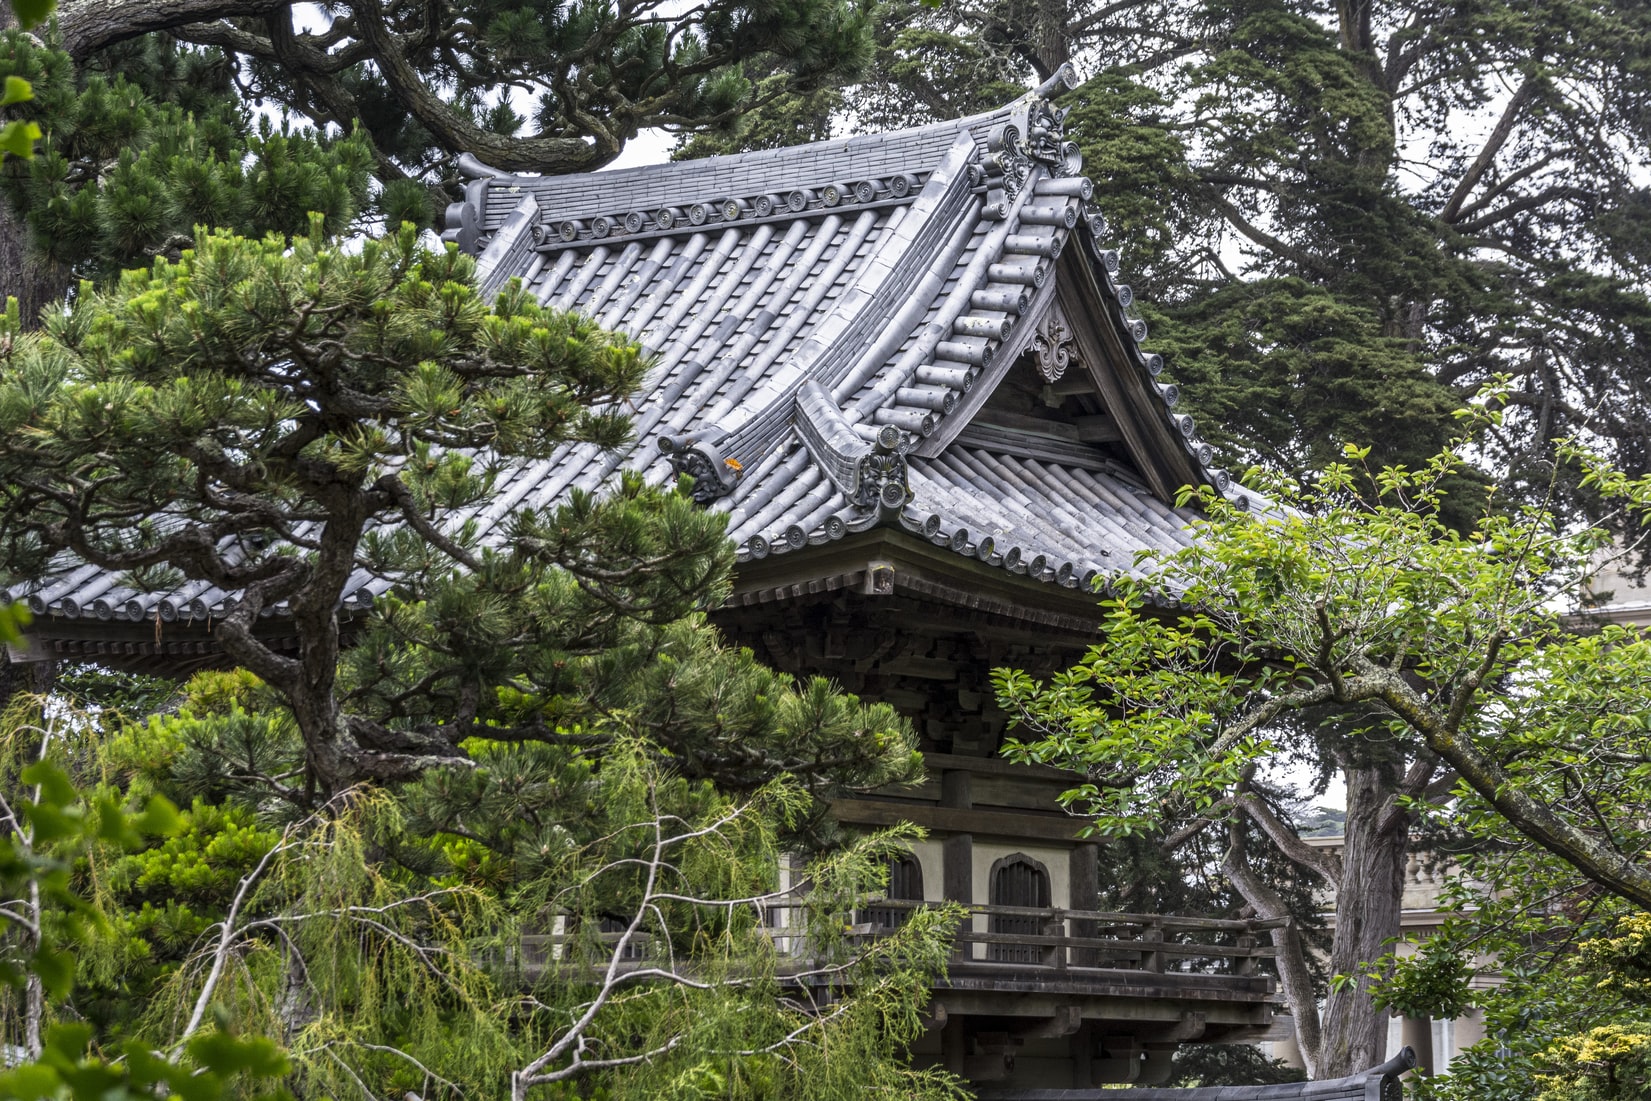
{"points": [[1083, 1057], [954, 1045], [1157, 1064], [1083, 868], [25, 670], [958, 881]]}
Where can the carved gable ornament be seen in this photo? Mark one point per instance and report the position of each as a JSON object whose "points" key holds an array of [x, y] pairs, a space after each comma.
{"points": [[1053, 345]]}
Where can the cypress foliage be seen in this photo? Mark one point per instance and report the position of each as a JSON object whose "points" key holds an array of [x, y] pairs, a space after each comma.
{"points": [[1342, 222]]}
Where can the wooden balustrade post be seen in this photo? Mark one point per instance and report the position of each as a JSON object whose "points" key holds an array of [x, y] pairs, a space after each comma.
{"points": [[1055, 955], [1247, 964], [1152, 959]]}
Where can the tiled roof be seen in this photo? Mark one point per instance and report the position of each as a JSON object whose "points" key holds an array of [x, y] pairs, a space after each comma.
{"points": [[834, 327]]}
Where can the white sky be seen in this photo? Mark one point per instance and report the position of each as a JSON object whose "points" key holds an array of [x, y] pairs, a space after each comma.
{"points": [[648, 147]]}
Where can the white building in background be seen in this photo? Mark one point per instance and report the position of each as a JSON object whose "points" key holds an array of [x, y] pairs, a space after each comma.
{"points": [[1614, 595]]}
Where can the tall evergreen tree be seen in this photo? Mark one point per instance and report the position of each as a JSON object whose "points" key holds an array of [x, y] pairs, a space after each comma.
{"points": [[1343, 221]]}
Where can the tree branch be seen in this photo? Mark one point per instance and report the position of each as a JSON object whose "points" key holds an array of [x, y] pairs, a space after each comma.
{"points": [[1272, 244], [87, 26], [1530, 817], [1487, 154], [1294, 975], [449, 128], [1287, 840]]}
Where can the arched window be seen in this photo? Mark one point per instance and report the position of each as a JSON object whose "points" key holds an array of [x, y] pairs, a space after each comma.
{"points": [[1022, 882], [905, 885]]}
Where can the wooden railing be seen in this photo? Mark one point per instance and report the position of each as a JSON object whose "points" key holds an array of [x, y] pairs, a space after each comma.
{"points": [[1061, 940], [992, 937]]}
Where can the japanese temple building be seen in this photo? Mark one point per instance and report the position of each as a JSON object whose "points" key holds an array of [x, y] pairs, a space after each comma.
{"points": [[906, 367]]}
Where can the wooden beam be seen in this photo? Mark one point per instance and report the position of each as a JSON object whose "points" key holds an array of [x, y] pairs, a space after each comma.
{"points": [[1076, 383], [997, 766], [1099, 428], [1041, 827], [1020, 422]]}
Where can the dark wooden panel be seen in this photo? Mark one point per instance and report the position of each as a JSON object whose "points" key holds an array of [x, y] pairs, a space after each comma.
{"points": [[1031, 826]]}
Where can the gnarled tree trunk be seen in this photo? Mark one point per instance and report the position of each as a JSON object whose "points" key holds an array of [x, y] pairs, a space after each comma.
{"points": [[1350, 1034], [35, 283]]}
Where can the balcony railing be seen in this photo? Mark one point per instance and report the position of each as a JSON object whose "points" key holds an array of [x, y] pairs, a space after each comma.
{"points": [[1012, 940], [1056, 939]]}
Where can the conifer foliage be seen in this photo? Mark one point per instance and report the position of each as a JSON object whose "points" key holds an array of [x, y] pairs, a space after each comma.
{"points": [[1342, 220], [593, 923], [154, 142]]}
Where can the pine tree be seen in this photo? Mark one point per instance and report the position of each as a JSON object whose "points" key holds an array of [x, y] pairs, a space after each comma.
{"points": [[429, 78], [519, 725], [149, 141], [273, 416], [371, 823]]}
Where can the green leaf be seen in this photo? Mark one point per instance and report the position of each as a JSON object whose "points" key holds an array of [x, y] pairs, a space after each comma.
{"points": [[56, 971], [31, 13], [18, 138], [69, 1041], [17, 91], [51, 823], [31, 1082], [56, 789], [159, 817], [226, 1055]]}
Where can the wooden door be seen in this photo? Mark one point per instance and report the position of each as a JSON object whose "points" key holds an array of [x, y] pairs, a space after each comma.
{"points": [[1018, 881], [906, 885]]}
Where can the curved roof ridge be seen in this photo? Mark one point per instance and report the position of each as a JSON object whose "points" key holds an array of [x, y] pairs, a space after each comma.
{"points": [[647, 200], [913, 257]]}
